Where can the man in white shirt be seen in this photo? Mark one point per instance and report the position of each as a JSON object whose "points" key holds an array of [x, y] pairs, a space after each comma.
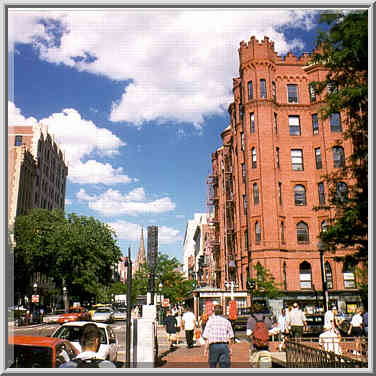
{"points": [[329, 340], [330, 316], [188, 323]]}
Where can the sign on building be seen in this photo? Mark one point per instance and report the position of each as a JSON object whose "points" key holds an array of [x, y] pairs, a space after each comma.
{"points": [[35, 298]]}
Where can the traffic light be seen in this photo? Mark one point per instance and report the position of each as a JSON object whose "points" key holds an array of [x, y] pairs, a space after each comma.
{"points": [[251, 285]]}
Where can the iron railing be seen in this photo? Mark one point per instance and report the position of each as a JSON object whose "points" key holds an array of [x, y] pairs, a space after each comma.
{"points": [[299, 355]]}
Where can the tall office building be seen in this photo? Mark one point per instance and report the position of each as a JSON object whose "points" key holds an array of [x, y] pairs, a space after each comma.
{"points": [[37, 171]]}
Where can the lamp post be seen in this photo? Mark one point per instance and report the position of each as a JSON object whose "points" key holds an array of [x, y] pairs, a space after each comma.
{"points": [[128, 265], [322, 246], [160, 299], [65, 295]]}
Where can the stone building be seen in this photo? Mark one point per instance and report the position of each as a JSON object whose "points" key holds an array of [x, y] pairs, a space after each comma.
{"points": [[141, 256], [268, 176], [37, 171]]}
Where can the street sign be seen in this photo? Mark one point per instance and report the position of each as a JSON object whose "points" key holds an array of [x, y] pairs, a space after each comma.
{"points": [[166, 302], [35, 298]]}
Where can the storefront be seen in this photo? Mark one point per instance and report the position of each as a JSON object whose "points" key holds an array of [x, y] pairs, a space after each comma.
{"points": [[212, 296]]}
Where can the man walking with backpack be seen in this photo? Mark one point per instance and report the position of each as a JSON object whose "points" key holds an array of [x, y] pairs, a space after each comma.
{"points": [[90, 341], [258, 326]]}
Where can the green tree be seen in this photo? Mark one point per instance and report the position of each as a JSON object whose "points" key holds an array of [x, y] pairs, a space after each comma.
{"points": [[78, 250], [343, 50], [175, 286], [265, 285]]}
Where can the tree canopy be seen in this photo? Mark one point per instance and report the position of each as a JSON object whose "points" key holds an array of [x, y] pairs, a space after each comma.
{"points": [[79, 250], [175, 286], [343, 50], [265, 285]]}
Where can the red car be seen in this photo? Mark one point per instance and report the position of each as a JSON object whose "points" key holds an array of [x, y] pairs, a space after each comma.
{"points": [[74, 314], [40, 352]]}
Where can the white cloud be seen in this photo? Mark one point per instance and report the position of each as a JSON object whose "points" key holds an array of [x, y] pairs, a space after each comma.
{"points": [[131, 232], [114, 203], [181, 62], [16, 118], [68, 202], [80, 138]]}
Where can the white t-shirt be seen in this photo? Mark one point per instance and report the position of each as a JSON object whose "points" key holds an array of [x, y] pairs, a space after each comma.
{"points": [[328, 318], [356, 320], [330, 340], [189, 320]]}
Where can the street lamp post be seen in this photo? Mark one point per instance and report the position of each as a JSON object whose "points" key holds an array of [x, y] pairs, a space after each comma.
{"points": [[322, 247], [128, 265], [34, 303], [65, 295]]}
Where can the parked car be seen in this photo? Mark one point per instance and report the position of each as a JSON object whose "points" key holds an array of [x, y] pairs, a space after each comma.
{"points": [[120, 314], [72, 332], [40, 352], [53, 317], [103, 314], [74, 314]]}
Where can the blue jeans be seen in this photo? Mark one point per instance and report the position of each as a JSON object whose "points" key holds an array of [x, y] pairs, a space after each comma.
{"points": [[219, 353]]}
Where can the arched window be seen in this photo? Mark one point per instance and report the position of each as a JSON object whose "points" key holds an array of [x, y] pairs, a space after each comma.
{"points": [[300, 195], [302, 232], [329, 275], [256, 198], [284, 276], [257, 232], [338, 157], [341, 192], [305, 275], [324, 226], [348, 276], [254, 158]]}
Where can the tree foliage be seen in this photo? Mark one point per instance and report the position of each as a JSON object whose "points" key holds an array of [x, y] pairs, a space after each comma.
{"points": [[265, 285], [343, 50], [79, 250], [175, 286]]}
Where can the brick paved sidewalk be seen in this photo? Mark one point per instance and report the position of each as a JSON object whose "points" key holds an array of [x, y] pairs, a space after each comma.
{"points": [[183, 357]]}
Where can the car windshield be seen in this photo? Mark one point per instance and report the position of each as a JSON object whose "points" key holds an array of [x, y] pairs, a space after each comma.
{"points": [[122, 310], [73, 333], [32, 357]]}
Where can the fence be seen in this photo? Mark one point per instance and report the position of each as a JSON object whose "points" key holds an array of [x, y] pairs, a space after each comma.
{"points": [[300, 354]]}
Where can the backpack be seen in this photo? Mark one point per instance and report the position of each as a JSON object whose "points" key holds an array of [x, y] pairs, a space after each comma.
{"points": [[87, 363], [260, 334]]}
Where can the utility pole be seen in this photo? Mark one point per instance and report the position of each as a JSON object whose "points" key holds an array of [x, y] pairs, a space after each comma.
{"points": [[128, 264], [322, 247]]}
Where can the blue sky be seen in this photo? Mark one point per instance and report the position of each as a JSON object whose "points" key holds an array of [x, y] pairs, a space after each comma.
{"points": [[138, 98]]}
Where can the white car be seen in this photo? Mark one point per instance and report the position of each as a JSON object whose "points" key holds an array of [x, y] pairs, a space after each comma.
{"points": [[72, 332], [54, 317], [103, 314]]}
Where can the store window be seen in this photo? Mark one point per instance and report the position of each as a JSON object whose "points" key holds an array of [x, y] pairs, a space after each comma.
{"points": [[305, 275]]}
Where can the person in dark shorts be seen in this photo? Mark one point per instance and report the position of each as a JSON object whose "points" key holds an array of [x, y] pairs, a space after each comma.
{"points": [[171, 324]]}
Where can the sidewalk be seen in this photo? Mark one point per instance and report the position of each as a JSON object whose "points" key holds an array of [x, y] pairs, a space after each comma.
{"points": [[183, 357]]}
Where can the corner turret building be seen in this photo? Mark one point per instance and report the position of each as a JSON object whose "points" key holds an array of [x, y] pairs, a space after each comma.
{"points": [[268, 176]]}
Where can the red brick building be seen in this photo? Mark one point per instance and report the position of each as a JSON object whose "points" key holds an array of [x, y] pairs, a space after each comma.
{"points": [[268, 176]]}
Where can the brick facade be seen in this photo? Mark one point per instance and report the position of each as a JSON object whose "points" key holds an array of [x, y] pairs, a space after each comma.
{"points": [[265, 177]]}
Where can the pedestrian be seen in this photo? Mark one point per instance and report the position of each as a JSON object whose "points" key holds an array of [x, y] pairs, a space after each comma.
{"points": [[258, 326], [365, 323], [218, 336], [356, 324], [330, 338], [90, 342], [283, 331], [356, 327], [188, 323], [178, 326], [203, 320], [170, 324], [331, 317], [296, 321]]}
